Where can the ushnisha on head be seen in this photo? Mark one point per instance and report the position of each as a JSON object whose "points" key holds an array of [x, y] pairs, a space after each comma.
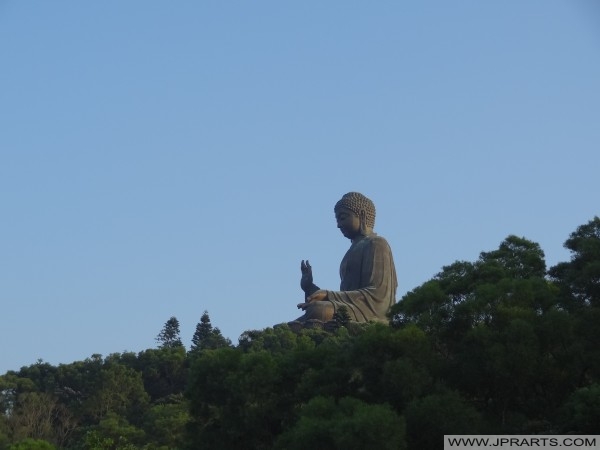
{"points": [[359, 205]]}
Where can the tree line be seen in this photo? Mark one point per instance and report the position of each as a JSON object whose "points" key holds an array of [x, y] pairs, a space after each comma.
{"points": [[500, 345]]}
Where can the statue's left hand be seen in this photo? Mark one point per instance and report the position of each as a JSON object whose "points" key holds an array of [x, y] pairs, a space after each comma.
{"points": [[318, 296]]}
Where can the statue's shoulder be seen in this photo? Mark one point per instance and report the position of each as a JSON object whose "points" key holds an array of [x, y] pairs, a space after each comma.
{"points": [[377, 240], [374, 237]]}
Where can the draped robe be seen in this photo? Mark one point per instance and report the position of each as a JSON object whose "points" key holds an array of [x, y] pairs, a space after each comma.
{"points": [[368, 280]]}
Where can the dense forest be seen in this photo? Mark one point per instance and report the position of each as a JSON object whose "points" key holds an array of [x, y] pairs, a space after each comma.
{"points": [[501, 345]]}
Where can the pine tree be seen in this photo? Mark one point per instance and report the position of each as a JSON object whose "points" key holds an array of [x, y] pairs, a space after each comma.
{"points": [[169, 336], [341, 316], [203, 331], [207, 336]]}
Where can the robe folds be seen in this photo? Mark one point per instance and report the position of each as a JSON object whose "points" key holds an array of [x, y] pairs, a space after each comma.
{"points": [[368, 280]]}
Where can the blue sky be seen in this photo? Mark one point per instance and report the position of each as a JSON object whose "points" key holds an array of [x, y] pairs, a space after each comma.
{"points": [[160, 159]]}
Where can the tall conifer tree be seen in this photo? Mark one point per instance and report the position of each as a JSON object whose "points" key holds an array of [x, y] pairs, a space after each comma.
{"points": [[169, 336]]}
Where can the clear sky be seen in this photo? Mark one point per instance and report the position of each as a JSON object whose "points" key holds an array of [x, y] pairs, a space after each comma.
{"points": [[160, 159]]}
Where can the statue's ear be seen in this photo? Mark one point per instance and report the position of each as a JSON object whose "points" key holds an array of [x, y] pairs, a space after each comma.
{"points": [[362, 215]]}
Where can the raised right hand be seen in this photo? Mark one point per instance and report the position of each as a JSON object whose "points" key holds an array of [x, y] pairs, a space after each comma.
{"points": [[306, 282]]}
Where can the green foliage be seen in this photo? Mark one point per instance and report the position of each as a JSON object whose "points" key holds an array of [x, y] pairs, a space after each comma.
{"points": [[169, 335], [581, 413], [233, 399], [32, 444], [164, 371], [275, 340], [579, 279], [95, 441], [119, 391], [505, 338], [115, 429], [4, 439], [429, 418], [342, 316], [345, 424], [395, 366], [207, 337], [517, 257], [39, 415], [166, 423]]}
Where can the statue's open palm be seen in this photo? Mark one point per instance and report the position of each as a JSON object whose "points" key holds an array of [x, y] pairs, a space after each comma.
{"points": [[306, 282]]}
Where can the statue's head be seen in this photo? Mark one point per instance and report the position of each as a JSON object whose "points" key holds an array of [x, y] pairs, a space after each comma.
{"points": [[361, 206]]}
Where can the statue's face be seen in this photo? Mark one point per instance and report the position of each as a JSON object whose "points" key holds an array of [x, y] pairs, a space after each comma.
{"points": [[347, 222]]}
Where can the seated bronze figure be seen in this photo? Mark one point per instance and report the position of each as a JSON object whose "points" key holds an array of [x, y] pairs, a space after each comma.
{"points": [[368, 277]]}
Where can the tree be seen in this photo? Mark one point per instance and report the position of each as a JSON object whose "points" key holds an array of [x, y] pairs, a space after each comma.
{"points": [[429, 418], [203, 331], [207, 337], [581, 413], [490, 322], [169, 336], [119, 391], [114, 432], [578, 282], [166, 423], [94, 440], [235, 399], [39, 415], [518, 257], [341, 316], [579, 279], [466, 294], [390, 366], [164, 371], [348, 423]]}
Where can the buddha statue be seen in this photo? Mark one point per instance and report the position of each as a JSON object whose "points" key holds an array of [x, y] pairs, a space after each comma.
{"points": [[368, 276]]}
